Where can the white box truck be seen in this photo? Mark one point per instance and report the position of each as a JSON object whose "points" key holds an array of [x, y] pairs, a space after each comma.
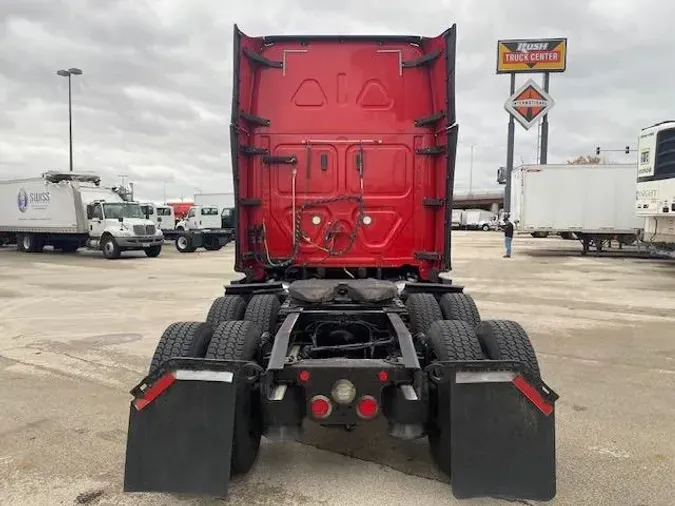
{"points": [[68, 211], [222, 200], [655, 195], [592, 203], [479, 219]]}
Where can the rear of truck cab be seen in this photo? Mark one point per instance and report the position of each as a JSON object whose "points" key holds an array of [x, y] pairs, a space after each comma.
{"points": [[343, 157]]}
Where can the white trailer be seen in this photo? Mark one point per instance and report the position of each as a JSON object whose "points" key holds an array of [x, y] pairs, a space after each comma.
{"points": [[457, 218], [593, 203], [655, 195], [70, 211]]}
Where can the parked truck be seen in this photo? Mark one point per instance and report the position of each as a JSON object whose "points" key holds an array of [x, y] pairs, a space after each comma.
{"points": [[655, 195], [68, 211], [479, 219], [592, 203], [224, 202], [221, 200], [201, 227], [163, 216], [344, 313]]}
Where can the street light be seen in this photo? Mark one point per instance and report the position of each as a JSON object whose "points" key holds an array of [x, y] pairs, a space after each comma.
{"points": [[68, 73]]}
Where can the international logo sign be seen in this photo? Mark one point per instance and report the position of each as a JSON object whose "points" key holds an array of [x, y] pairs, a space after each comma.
{"points": [[531, 55], [529, 103], [22, 200]]}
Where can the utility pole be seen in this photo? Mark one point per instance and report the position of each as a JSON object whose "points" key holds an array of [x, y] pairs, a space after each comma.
{"points": [[68, 73]]}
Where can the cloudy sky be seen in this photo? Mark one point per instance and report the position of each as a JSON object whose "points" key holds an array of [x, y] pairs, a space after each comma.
{"points": [[153, 102]]}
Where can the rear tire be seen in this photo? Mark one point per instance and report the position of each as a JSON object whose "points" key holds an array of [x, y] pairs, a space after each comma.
{"points": [[30, 243], [423, 310], [212, 244], [460, 306], [153, 251], [240, 340], [448, 340], [507, 340], [184, 244], [263, 310], [181, 340], [226, 308]]}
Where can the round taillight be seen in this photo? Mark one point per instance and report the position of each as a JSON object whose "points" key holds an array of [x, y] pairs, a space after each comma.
{"points": [[304, 376], [366, 407], [320, 406], [343, 391], [383, 376]]}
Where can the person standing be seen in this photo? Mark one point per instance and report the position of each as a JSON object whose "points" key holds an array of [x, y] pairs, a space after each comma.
{"points": [[508, 236]]}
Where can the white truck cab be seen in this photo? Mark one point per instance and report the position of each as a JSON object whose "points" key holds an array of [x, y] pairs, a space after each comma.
{"points": [[162, 216], [201, 218], [119, 226]]}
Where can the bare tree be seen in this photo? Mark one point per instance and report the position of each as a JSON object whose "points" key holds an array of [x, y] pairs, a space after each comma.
{"points": [[588, 160]]}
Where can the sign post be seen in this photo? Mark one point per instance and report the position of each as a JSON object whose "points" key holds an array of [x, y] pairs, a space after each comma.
{"points": [[530, 102]]}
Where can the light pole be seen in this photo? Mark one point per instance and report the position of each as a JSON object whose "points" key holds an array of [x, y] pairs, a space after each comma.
{"points": [[68, 73]]}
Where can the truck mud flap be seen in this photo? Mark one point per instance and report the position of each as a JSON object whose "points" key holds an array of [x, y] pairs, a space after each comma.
{"points": [[180, 428], [502, 431]]}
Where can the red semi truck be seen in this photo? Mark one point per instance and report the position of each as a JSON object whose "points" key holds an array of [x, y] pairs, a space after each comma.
{"points": [[343, 157]]}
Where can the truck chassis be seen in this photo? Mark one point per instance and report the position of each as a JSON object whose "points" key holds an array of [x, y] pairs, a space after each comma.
{"points": [[188, 241], [271, 356]]}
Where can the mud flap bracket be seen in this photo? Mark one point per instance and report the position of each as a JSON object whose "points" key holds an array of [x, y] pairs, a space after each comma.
{"points": [[502, 431], [181, 427]]}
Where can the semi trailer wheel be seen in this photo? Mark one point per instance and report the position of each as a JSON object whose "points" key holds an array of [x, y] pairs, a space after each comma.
{"points": [[263, 310], [460, 306], [240, 340], [181, 340], [507, 340], [447, 340], [423, 310], [226, 308]]}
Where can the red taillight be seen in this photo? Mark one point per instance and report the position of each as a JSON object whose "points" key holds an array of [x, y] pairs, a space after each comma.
{"points": [[366, 407], [383, 376], [303, 376], [320, 406]]}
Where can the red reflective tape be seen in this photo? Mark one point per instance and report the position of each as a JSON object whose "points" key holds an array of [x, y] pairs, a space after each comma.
{"points": [[155, 391], [533, 395]]}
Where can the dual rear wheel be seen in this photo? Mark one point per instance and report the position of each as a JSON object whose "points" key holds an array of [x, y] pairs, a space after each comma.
{"points": [[233, 331], [454, 331]]}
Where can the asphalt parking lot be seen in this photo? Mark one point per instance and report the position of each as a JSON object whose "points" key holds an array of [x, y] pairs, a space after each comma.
{"points": [[77, 332]]}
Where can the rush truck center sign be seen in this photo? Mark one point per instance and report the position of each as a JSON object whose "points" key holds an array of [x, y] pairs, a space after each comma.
{"points": [[531, 55]]}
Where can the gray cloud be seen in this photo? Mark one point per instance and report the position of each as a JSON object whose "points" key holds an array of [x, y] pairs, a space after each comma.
{"points": [[154, 99]]}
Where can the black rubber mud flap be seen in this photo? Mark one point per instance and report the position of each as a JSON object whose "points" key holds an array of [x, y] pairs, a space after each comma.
{"points": [[181, 426], [502, 432]]}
